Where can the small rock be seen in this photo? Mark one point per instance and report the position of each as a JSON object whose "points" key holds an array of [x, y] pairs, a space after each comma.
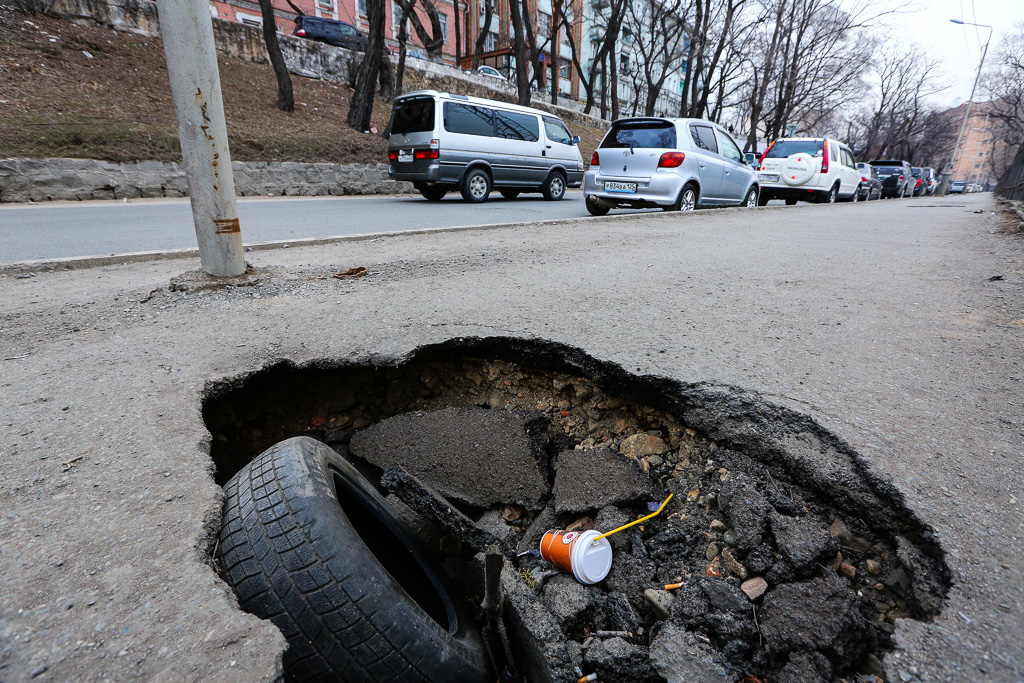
{"points": [[567, 599], [746, 510], [846, 537], [724, 596], [874, 567], [680, 656], [718, 525], [38, 671], [733, 565], [801, 541], [754, 588], [660, 601], [639, 445], [615, 659], [848, 570], [581, 524], [711, 552]]}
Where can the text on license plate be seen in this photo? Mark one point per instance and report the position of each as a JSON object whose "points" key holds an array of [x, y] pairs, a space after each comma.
{"points": [[768, 177], [405, 155], [619, 187]]}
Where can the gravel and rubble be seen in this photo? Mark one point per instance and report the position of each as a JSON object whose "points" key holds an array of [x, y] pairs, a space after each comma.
{"points": [[756, 569]]}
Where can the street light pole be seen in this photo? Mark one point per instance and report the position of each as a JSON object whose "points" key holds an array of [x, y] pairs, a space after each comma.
{"points": [[187, 31], [967, 112]]}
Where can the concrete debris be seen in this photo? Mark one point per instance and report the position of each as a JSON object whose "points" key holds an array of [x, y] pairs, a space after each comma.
{"points": [[680, 656], [801, 541], [592, 478]]}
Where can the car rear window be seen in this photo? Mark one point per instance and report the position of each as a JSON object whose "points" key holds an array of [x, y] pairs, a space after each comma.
{"points": [[916, 172], [413, 116], [889, 169], [785, 148], [649, 134]]}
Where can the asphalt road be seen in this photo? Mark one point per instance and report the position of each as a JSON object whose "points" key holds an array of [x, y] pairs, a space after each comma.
{"points": [[896, 326], [62, 229]]}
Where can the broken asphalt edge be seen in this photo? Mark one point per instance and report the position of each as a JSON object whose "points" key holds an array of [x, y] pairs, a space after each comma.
{"points": [[84, 262]]}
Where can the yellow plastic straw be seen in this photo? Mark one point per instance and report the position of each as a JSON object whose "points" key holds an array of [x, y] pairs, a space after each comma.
{"points": [[642, 519]]}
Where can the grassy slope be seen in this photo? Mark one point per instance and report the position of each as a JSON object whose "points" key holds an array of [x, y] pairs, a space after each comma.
{"points": [[55, 101]]}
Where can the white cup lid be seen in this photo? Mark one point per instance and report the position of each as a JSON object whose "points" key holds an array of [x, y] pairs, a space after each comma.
{"points": [[591, 560]]}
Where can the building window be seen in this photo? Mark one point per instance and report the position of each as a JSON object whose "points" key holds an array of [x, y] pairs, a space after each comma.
{"points": [[361, 6], [249, 19], [491, 41], [543, 25], [444, 25], [325, 6], [565, 70]]}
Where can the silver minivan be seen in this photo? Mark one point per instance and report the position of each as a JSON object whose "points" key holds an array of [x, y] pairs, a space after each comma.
{"points": [[442, 142], [674, 164]]}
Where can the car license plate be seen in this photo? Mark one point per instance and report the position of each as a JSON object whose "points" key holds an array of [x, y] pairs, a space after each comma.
{"points": [[405, 156], [619, 187], [768, 177]]}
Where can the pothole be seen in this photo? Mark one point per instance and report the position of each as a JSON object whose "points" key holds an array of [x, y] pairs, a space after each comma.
{"points": [[793, 560]]}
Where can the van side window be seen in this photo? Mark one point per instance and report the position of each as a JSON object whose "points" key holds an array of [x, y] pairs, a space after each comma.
{"points": [[704, 138], [467, 119], [556, 131], [513, 126]]}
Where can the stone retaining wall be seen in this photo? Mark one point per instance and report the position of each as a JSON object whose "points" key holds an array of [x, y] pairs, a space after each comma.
{"points": [[23, 180]]}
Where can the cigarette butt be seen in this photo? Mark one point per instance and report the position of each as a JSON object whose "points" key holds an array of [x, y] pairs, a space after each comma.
{"points": [[672, 586], [587, 678]]}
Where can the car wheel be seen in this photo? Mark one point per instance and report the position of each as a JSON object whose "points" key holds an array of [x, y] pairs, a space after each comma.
{"points": [[751, 201], [903, 192], [791, 202], [595, 209], [688, 199], [856, 195], [509, 194], [433, 195], [300, 543], [554, 187], [476, 186]]}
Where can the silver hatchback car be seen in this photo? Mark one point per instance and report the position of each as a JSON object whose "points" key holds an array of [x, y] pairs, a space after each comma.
{"points": [[674, 164]]}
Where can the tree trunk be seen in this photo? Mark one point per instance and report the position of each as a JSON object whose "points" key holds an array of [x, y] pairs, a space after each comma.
{"points": [[531, 43], [556, 57], [386, 75], [403, 39], [361, 106], [522, 66], [285, 100], [458, 35], [604, 88], [614, 85], [478, 49]]}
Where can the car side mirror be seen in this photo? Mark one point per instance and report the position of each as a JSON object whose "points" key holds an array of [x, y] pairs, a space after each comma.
{"points": [[575, 139]]}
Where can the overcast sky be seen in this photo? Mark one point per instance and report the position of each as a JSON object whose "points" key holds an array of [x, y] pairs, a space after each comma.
{"points": [[958, 48]]}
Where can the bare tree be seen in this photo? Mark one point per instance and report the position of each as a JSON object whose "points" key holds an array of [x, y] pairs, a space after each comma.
{"points": [[607, 25], [432, 40], [659, 35], [519, 46], [285, 100], [361, 105], [1005, 88], [478, 49]]}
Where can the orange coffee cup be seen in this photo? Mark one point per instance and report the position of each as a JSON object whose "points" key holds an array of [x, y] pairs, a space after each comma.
{"points": [[578, 553]]}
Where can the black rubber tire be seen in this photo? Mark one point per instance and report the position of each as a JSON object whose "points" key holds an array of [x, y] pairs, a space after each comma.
{"points": [[752, 198], [596, 209], [475, 186], [433, 195], [688, 199], [831, 197], [553, 187], [791, 202], [509, 194], [763, 199], [295, 556]]}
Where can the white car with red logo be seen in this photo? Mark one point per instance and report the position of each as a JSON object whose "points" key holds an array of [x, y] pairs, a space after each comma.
{"points": [[808, 169]]}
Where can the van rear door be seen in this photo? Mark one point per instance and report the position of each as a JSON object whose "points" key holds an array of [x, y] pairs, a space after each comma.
{"points": [[413, 127]]}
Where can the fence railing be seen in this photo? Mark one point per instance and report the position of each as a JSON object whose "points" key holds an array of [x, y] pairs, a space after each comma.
{"points": [[1011, 186]]}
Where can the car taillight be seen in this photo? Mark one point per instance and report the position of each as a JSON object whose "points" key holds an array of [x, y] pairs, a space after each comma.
{"points": [[301, 32], [671, 160], [824, 157], [426, 154], [393, 155], [901, 179], [760, 162], [595, 160], [864, 178]]}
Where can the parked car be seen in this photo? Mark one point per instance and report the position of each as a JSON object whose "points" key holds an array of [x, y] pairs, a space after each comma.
{"points": [[331, 32], [957, 187], [933, 179], [808, 169], [672, 164], [870, 184], [490, 72], [895, 175], [919, 185], [442, 142]]}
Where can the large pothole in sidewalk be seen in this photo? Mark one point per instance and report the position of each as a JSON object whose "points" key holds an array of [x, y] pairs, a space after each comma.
{"points": [[793, 560]]}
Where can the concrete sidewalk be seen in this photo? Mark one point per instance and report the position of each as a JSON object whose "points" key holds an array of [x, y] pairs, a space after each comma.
{"points": [[878, 320]]}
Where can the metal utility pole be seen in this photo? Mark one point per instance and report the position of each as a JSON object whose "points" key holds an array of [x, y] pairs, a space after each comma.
{"points": [[187, 31], [944, 185]]}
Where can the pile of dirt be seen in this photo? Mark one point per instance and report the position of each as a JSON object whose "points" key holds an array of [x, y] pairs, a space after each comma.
{"points": [[751, 572]]}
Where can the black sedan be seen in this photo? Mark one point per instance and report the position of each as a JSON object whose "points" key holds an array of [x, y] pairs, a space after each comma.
{"points": [[870, 183]]}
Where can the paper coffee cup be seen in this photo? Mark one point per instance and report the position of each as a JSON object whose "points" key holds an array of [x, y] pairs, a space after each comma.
{"points": [[577, 552]]}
